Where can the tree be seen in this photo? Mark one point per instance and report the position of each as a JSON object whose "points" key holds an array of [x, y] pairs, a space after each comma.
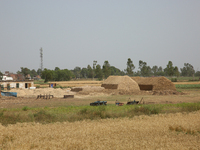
{"points": [[130, 67], [144, 69], [176, 72], [197, 74], [39, 71], [160, 71], [25, 71], [94, 67], [106, 69], [84, 72], [47, 75], [90, 71], [1, 75], [33, 73], [116, 71], [169, 70], [99, 72], [77, 72], [187, 70], [155, 70]]}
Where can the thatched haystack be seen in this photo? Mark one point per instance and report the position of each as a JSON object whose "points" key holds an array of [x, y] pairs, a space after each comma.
{"points": [[154, 83], [122, 83]]}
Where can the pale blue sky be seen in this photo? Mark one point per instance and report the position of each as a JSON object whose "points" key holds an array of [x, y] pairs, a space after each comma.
{"points": [[76, 32]]}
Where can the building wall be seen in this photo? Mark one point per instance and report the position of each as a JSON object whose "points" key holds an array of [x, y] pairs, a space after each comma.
{"points": [[14, 84]]}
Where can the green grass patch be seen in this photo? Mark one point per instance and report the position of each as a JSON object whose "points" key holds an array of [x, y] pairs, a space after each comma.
{"points": [[187, 86], [77, 113]]}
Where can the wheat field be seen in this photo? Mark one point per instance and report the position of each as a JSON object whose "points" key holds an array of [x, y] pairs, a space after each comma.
{"points": [[164, 131]]}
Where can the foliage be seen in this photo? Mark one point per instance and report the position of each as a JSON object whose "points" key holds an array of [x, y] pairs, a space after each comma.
{"points": [[187, 70], [145, 70], [130, 67], [77, 72], [197, 74], [169, 70], [116, 71], [1, 75], [84, 72], [176, 72], [47, 75], [99, 72], [106, 69]]}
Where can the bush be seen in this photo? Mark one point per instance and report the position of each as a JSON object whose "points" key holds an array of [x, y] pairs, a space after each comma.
{"points": [[174, 79], [25, 108]]}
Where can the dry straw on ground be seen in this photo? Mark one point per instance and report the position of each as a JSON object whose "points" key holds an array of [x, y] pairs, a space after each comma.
{"points": [[143, 132]]}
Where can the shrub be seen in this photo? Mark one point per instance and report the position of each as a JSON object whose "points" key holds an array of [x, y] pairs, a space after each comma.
{"points": [[25, 108]]}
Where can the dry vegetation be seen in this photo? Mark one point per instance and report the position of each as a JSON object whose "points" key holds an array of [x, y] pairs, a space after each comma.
{"points": [[161, 131], [170, 131]]}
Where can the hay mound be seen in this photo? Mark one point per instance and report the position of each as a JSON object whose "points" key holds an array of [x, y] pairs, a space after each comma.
{"points": [[124, 84], [154, 83]]}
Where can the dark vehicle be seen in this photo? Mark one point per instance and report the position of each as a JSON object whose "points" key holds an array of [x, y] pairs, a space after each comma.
{"points": [[132, 102], [98, 103], [135, 102]]}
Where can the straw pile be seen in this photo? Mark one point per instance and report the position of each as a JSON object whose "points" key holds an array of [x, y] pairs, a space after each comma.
{"points": [[124, 84], [158, 83]]}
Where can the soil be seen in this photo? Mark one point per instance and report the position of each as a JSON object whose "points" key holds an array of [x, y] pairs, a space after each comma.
{"points": [[86, 97]]}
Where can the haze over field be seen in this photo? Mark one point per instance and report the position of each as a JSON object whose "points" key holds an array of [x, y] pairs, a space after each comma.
{"points": [[74, 33]]}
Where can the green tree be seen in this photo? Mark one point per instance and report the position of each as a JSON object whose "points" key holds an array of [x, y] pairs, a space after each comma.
{"points": [[93, 69], [39, 71], [130, 67], [197, 74], [33, 73], [90, 71], [62, 75], [144, 69], [169, 70], [116, 71], [155, 70], [99, 72], [25, 71], [1, 75], [47, 75], [160, 71], [176, 72], [187, 70], [77, 72], [106, 69], [84, 72]]}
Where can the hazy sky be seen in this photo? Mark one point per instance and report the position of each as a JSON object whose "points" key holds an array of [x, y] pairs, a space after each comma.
{"points": [[76, 32]]}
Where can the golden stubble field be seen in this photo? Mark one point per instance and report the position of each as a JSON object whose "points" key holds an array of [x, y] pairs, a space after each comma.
{"points": [[163, 131], [178, 131]]}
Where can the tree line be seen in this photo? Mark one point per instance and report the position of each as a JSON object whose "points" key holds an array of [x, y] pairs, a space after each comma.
{"points": [[102, 72]]}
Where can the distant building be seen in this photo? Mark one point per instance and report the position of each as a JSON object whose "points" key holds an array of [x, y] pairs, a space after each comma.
{"points": [[10, 80], [16, 84]]}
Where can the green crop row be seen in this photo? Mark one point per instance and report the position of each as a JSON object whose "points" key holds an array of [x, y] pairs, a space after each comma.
{"points": [[188, 86], [77, 113]]}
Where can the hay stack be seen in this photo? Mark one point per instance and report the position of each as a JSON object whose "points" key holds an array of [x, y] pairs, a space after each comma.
{"points": [[122, 83], [157, 83]]}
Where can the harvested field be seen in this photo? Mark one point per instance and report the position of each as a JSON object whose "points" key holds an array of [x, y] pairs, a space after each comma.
{"points": [[165, 131]]}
